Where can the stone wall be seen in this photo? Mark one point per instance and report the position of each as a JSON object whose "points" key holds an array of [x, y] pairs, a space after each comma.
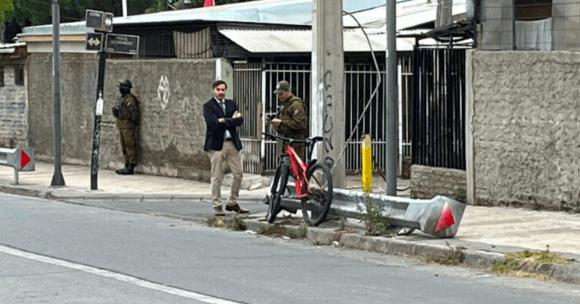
{"points": [[525, 129], [428, 182], [171, 94], [13, 118]]}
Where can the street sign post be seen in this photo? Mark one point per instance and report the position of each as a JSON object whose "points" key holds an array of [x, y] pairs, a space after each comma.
{"points": [[100, 21], [95, 42], [127, 44]]}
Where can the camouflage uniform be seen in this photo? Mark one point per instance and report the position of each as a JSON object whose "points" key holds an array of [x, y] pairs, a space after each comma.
{"points": [[294, 122], [127, 121]]}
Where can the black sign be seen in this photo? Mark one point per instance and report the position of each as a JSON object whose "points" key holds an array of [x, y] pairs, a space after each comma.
{"points": [[127, 44], [95, 41], [99, 20]]}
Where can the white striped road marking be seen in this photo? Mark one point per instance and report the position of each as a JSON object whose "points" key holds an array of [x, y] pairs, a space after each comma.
{"points": [[116, 276]]}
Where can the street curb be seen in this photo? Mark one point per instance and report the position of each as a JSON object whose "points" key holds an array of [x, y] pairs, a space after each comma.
{"points": [[569, 273], [15, 190]]}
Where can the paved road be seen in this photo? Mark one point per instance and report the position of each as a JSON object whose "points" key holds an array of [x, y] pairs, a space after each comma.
{"points": [[54, 252]]}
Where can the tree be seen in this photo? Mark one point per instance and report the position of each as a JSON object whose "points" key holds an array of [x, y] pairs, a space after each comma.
{"points": [[21, 13], [5, 5]]}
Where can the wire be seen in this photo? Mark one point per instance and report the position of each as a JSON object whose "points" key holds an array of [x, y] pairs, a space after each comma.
{"points": [[379, 80]]}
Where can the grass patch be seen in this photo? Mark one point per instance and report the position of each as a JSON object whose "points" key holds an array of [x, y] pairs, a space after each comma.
{"points": [[277, 230], [237, 223], [453, 258], [233, 223], [215, 222], [528, 263]]}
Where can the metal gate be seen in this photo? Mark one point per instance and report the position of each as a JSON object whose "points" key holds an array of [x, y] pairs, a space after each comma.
{"points": [[439, 108], [253, 90], [247, 91]]}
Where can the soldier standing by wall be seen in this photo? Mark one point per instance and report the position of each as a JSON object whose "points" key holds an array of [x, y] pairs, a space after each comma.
{"points": [[127, 113]]}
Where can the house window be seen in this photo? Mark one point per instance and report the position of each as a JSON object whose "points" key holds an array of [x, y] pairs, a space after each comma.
{"points": [[19, 74], [529, 10], [1, 76]]}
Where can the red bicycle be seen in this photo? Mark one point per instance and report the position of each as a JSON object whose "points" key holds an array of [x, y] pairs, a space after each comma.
{"points": [[312, 179]]}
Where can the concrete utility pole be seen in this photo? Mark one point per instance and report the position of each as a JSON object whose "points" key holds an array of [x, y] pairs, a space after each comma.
{"points": [[444, 14], [392, 99], [57, 178], [327, 102]]}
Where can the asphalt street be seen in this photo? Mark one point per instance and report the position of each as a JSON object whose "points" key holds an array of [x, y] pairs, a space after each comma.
{"points": [[54, 252]]}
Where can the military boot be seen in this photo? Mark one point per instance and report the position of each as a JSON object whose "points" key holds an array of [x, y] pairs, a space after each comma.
{"points": [[118, 171], [128, 170]]}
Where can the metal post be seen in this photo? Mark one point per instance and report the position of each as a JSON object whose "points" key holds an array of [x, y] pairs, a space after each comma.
{"points": [[124, 8], [392, 99], [57, 178], [514, 38], [327, 102], [367, 164], [98, 117]]}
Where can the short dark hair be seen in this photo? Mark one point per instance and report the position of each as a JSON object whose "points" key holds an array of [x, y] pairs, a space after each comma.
{"points": [[218, 82]]}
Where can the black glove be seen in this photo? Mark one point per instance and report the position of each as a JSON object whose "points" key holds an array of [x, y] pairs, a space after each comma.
{"points": [[116, 112]]}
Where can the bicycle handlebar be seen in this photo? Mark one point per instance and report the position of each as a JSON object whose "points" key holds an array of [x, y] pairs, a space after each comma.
{"points": [[306, 141]]}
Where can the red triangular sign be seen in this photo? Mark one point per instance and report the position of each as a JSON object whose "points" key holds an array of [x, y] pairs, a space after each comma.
{"points": [[446, 219], [24, 159]]}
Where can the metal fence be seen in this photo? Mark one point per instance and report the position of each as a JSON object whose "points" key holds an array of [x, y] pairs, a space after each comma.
{"points": [[439, 108], [253, 86]]}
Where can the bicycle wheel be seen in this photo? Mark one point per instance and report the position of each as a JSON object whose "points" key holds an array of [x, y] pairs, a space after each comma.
{"points": [[277, 190], [316, 205]]}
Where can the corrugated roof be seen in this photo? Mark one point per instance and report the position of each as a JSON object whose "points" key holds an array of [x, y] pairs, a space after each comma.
{"points": [[290, 12], [300, 41], [409, 14]]}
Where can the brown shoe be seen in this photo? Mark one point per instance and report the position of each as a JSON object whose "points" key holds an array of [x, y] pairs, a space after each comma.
{"points": [[236, 208], [219, 211]]}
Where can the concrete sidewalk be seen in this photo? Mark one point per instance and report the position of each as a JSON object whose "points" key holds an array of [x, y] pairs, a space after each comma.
{"points": [[485, 233]]}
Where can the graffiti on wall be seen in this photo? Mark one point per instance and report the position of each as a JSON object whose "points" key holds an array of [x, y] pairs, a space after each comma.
{"points": [[327, 122], [163, 91]]}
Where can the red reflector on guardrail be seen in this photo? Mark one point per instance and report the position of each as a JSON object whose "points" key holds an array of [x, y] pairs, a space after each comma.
{"points": [[24, 158], [446, 219]]}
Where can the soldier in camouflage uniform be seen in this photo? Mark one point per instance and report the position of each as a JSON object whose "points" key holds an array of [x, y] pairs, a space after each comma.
{"points": [[292, 120], [127, 113]]}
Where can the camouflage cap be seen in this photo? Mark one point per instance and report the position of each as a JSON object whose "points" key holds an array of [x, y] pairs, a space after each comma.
{"points": [[282, 86]]}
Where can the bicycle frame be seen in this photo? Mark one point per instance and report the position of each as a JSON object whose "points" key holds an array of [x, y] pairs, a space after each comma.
{"points": [[298, 168]]}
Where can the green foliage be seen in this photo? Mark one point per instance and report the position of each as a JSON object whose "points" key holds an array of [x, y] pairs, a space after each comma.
{"points": [[522, 263], [372, 219], [6, 5], [460, 195]]}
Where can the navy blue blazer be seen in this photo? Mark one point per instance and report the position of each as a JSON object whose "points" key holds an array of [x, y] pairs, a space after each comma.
{"points": [[215, 131]]}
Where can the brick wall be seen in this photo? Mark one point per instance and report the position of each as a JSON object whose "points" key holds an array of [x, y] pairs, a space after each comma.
{"points": [[428, 182], [172, 127], [13, 116]]}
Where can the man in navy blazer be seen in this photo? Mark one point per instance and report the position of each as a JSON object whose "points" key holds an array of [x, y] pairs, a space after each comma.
{"points": [[222, 143]]}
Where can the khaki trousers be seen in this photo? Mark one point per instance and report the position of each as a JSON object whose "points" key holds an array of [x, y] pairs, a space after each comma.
{"points": [[231, 155]]}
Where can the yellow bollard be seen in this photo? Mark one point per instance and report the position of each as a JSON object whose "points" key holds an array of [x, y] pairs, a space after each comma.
{"points": [[367, 164]]}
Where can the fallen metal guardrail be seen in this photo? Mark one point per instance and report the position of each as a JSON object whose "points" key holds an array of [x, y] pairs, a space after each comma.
{"points": [[439, 216], [21, 159]]}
